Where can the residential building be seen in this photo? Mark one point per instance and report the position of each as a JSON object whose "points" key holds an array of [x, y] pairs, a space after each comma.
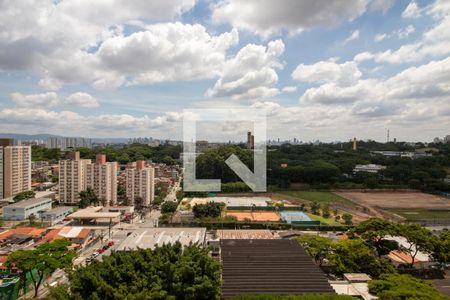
{"points": [[15, 163], [102, 178], [140, 182], [72, 178], [23, 209]]}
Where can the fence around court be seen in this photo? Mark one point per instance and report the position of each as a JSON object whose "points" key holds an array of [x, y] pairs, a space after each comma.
{"points": [[266, 208]]}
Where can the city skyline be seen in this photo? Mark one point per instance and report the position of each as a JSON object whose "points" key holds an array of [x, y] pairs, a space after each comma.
{"points": [[328, 72]]}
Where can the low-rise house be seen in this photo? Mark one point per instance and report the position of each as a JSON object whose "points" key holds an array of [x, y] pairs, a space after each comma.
{"points": [[77, 235], [370, 168], [56, 214]]}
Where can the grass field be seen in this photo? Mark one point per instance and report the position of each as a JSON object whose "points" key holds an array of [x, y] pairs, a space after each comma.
{"points": [[421, 214], [321, 197], [322, 220]]}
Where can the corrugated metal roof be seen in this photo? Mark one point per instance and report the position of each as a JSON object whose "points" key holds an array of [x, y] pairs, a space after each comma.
{"points": [[269, 267]]}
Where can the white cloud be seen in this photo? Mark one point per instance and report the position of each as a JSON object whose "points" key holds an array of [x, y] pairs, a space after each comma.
{"points": [[35, 100], [328, 71], [434, 43], [412, 11], [251, 74], [81, 99], [289, 89], [352, 37], [266, 17], [382, 5], [400, 33]]}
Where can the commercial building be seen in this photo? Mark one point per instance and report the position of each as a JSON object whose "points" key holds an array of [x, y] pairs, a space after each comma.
{"points": [[65, 143], [22, 210], [72, 178], [269, 266], [95, 215], [56, 214], [15, 170], [102, 178], [149, 238], [140, 182]]}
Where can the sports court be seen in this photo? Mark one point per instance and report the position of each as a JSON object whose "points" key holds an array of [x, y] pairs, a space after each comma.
{"points": [[255, 216], [294, 216], [233, 201]]}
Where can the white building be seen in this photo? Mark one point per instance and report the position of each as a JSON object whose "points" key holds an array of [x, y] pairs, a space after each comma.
{"points": [[23, 209], [140, 182], [370, 168], [56, 214]]}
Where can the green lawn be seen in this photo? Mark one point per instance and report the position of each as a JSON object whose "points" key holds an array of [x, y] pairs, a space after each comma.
{"points": [[421, 214], [321, 197], [323, 221]]}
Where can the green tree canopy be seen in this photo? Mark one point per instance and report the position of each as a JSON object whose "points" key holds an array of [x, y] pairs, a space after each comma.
{"points": [[208, 210], [169, 207], [87, 198], [45, 259], [168, 272], [24, 195], [401, 287]]}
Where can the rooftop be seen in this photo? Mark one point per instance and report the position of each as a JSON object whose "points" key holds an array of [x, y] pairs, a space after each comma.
{"points": [[152, 237], [94, 212], [244, 234], [59, 209], [29, 202], [273, 266]]}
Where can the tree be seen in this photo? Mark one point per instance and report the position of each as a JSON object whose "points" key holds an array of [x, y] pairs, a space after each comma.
{"points": [[24, 195], [87, 198], [374, 231], [169, 207], [32, 219], [45, 259], [315, 207], [208, 210], [347, 219], [167, 272], [418, 238], [326, 211], [400, 287], [441, 248], [316, 246], [354, 256]]}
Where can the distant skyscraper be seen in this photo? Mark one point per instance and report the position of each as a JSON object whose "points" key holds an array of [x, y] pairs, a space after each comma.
{"points": [[250, 140], [72, 178], [102, 178], [15, 166], [140, 182], [354, 144]]}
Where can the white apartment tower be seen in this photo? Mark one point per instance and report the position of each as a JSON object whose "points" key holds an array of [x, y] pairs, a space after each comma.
{"points": [[140, 182], [15, 170], [72, 178], [102, 178]]}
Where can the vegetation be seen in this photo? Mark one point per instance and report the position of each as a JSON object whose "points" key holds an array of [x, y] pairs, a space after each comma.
{"points": [[88, 198], [168, 272], [441, 248], [320, 197], [374, 231], [169, 207], [399, 287], [24, 195], [208, 210], [293, 297], [43, 260], [347, 256], [422, 214]]}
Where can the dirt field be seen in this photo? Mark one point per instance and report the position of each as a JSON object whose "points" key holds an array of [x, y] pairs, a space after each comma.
{"points": [[254, 216], [396, 199]]}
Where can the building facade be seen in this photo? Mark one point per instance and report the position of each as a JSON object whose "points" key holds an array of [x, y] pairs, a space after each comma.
{"points": [[1, 172], [15, 163], [72, 179], [22, 210], [140, 182], [102, 178]]}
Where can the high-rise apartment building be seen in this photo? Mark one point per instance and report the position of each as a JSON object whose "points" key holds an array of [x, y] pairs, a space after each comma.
{"points": [[140, 182], [102, 178], [72, 178], [15, 166]]}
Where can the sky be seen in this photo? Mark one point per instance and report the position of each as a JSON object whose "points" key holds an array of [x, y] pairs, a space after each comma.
{"points": [[326, 70]]}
